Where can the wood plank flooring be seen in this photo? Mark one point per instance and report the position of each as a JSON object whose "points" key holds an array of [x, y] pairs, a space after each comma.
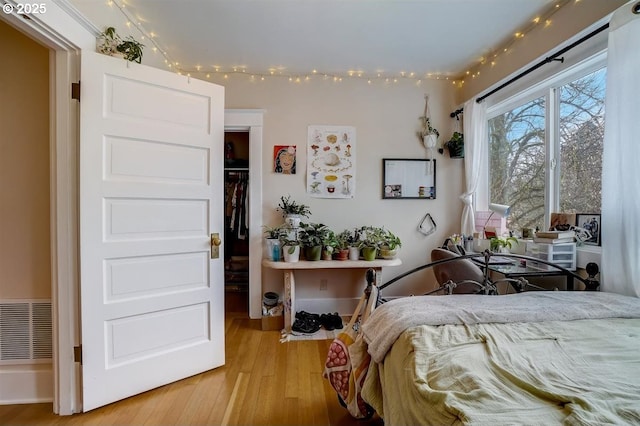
{"points": [[264, 382]]}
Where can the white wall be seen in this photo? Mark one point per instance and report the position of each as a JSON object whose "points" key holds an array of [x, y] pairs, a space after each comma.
{"points": [[541, 41], [386, 120], [25, 254]]}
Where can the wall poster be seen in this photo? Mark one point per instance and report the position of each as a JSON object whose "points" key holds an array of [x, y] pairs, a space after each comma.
{"points": [[284, 159], [331, 161]]}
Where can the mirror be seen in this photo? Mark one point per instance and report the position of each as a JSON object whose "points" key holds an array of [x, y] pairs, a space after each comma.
{"points": [[405, 178]]}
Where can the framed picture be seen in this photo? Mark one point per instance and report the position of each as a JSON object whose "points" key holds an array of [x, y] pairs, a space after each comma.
{"points": [[406, 178], [590, 222], [562, 221]]}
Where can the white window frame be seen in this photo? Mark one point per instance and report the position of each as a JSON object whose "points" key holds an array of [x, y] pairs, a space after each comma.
{"points": [[516, 96]]}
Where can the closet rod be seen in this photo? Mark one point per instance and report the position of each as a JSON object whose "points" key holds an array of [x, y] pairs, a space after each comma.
{"points": [[545, 61]]}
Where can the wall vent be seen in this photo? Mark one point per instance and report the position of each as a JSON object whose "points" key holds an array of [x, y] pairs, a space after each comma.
{"points": [[25, 331]]}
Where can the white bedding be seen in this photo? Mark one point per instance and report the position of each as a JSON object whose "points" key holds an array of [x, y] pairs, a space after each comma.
{"points": [[537, 358], [389, 320]]}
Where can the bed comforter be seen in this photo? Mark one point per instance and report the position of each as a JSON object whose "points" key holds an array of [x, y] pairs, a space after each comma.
{"points": [[536, 358]]}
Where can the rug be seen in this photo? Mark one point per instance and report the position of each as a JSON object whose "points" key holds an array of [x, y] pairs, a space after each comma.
{"points": [[321, 334]]}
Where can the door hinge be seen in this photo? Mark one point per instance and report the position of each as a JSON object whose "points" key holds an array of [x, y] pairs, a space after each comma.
{"points": [[77, 354], [75, 91]]}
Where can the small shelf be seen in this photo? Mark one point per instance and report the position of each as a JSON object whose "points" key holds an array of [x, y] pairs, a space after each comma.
{"points": [[332, 264]]}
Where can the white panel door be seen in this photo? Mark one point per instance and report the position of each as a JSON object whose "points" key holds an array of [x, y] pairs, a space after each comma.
{"points": [[151, 193]]}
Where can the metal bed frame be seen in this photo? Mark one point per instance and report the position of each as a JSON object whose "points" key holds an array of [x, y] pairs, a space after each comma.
{"points": [[489, 286]]}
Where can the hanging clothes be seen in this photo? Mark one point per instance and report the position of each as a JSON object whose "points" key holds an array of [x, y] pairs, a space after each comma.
{"points": [[236, 203]]}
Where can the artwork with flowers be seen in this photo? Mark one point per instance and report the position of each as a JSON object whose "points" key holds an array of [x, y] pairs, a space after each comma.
{"points": [[331, 161]]}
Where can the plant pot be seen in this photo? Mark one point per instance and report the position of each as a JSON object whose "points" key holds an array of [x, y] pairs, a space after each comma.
{"points": [[291, 257], [342, 254], [456, 151], [354, 253], [293, 220], [313, 253], [369, 253], [430, 140], [387, 253], [327, 255]]}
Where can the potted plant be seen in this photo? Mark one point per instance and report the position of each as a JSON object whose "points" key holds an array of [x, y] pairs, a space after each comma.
{"points": [[272, 238], [343, 241], [290, 248], [455, 145], [111, 43], [292, 211], [390, 245], [311, 237], [371, 238], [428, 134], [329, 244], [502, 244]]}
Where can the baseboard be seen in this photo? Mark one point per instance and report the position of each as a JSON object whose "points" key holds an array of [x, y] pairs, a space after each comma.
{"points": [[26, 384]]}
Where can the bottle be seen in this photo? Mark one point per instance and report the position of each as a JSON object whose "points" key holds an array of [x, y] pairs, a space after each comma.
{"points": [[275, 251]]}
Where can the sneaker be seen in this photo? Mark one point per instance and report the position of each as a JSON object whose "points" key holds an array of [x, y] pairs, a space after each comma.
{"points": [[327, 322], [306, 323]]}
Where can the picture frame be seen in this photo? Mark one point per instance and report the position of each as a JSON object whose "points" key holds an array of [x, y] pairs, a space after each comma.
{"points": [[408, 178], [592, 223], [562, 221]]}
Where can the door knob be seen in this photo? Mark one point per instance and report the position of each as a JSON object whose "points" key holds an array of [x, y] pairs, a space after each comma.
{"points": [[215, 245]]}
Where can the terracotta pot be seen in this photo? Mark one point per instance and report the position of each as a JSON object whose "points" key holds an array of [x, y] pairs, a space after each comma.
{"points": [[342, 254]]}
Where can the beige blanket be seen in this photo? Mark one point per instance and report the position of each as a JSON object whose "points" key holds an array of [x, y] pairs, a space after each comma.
{"points": [[389, 320], [583, 372]]}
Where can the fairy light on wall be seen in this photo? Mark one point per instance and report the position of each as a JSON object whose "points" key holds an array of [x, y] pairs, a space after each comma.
{"points": [[507, 48], [145, 36]]}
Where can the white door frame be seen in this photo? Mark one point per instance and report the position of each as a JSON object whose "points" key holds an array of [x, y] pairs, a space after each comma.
{"points": [[251, 120], [65, 33]]}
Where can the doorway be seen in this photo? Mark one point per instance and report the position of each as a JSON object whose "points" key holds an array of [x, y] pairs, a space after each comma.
{"points": [[236, 235], [25, 247], [246, 125]]}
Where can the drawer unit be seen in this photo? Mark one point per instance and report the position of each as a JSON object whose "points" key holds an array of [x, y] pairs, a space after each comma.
{"points": [[560, 254]]}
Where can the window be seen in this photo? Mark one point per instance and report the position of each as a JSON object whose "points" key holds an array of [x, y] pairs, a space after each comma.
{"points": [[545, 153]]}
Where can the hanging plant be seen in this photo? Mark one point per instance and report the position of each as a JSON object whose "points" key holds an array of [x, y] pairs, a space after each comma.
{"points": [[426, 128], [111, 44], [455, 145]]}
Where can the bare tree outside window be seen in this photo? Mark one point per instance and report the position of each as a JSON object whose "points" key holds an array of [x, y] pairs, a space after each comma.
{"points": [[516, 163], [581, 136], [517, 153]]}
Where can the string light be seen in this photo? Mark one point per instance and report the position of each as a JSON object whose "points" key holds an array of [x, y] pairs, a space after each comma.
{"points": [[508, 46], [132, 21]]}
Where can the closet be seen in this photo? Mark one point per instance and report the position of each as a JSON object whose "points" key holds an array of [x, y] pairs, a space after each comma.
{"points": [[236, 218]]}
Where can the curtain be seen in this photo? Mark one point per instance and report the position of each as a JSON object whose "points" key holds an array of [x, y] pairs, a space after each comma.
{"points": [[621, 156], [475, 146]]}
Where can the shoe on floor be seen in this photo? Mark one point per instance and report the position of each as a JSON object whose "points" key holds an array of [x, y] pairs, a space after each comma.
{"points": [[306, 323], [327, 322], [331, 321]]}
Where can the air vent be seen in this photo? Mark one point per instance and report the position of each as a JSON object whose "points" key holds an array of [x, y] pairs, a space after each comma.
{"points": [[25, 331]]}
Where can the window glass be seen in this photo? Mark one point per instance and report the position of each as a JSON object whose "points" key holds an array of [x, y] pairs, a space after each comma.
{"points": [[516, 163], [581, 125]]}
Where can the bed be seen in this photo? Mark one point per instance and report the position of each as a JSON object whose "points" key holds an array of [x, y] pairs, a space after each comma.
{"points": [[536, 357]]}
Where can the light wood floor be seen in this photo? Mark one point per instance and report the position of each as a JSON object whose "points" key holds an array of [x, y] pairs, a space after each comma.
{"points": [[264, 382]]}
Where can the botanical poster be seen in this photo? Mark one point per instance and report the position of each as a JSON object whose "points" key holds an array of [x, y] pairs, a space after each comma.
{"points": [[331, 161], [284, 159]]}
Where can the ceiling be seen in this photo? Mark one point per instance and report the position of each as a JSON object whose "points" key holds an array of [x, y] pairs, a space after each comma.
{"points": [[332, 37]]}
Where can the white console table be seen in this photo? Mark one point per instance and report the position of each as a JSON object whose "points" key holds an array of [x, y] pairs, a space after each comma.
{"points": [[290, 282]]}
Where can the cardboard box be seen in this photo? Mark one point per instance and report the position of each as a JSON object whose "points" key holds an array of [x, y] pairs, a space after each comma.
{"points": [[271, 323]]}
